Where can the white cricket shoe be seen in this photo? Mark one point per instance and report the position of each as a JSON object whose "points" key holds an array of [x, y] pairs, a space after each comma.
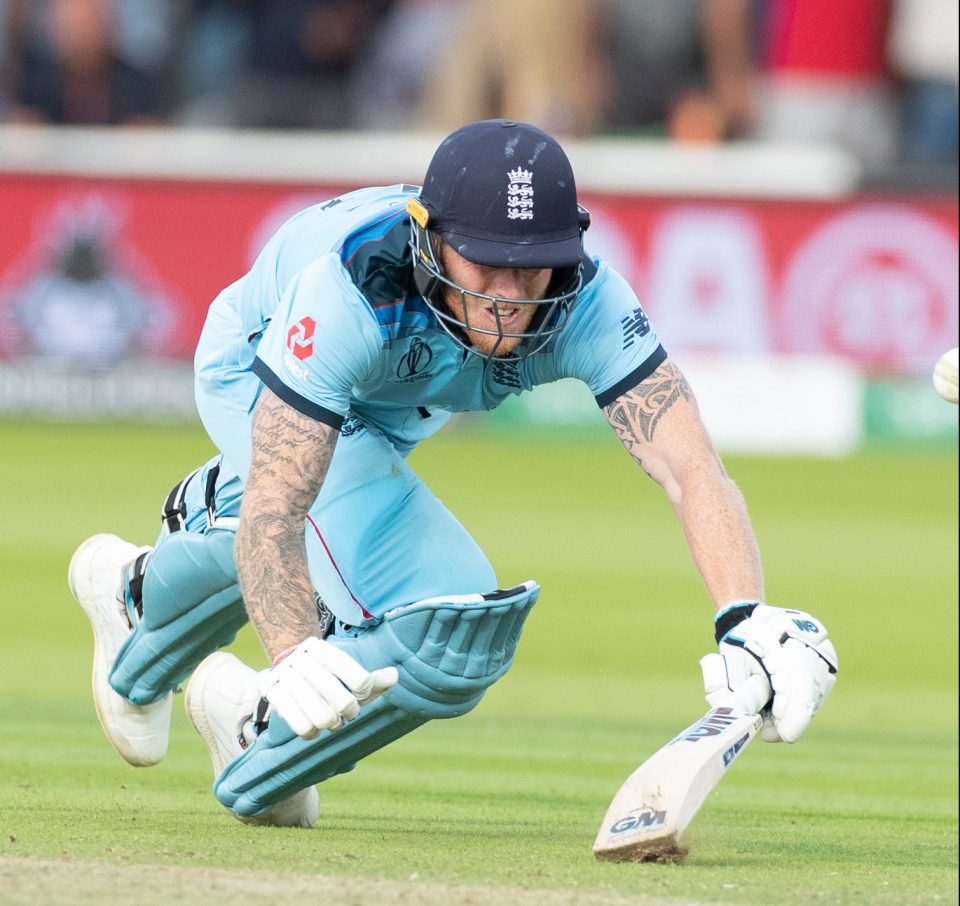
{"points": [[97, 570], [220, 700]]}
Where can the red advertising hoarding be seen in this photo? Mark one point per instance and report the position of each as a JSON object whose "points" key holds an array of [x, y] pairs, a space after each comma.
{"points": [[96, 270]]}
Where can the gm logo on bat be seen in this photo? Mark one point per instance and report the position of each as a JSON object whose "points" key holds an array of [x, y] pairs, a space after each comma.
{"points": [[647, 818]]}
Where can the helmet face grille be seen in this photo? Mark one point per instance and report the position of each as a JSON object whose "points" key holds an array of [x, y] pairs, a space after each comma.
{"points": [[551, 314]]}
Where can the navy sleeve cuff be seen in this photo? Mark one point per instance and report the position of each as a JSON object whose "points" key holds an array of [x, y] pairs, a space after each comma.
{"points": [[652, 363], [294, 399]]}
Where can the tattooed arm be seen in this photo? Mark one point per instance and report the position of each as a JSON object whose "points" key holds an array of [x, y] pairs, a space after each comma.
{"points": [[659, 424], [291, 455]]}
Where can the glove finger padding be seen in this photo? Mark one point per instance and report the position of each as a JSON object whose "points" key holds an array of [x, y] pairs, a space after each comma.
{"points": [[801, 681], [792, 650], [323, 660], [735, 682], [315, 683], [382, 680], [318, 687], [302, 710]]}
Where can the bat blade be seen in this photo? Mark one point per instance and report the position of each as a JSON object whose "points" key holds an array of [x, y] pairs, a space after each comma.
{"points": [[659, 799]]}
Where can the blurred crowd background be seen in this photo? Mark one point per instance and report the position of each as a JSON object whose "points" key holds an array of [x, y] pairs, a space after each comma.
{"points": [[878, 77]]}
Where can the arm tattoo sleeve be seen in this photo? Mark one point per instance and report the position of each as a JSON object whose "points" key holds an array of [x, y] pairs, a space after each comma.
{"points": [[291, 455], [636, 414]]}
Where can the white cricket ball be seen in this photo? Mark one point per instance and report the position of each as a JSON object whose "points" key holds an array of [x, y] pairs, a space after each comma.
{"points": [[945, 375]]}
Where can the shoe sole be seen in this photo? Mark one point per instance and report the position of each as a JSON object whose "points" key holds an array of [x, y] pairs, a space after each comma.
{"points": [[80, 588]]}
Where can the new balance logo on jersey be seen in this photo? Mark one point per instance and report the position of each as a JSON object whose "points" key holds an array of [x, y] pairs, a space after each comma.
{"points": [[506, 373], [634, 325]]}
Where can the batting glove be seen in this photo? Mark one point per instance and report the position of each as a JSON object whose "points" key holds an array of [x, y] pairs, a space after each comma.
{"points": [[315, 686], [775, 662]]}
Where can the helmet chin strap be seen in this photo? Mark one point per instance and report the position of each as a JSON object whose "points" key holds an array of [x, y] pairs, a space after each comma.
{"points": [[430, 281]]}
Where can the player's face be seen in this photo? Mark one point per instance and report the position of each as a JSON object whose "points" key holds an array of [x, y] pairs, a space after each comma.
{"points": [[498, 317]]}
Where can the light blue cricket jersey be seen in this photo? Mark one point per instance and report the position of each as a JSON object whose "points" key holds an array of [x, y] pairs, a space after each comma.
{"points": [[330, 320]]}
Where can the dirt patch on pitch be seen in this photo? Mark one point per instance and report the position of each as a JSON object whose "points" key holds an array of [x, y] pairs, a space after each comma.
{"points": [[37, 882]]}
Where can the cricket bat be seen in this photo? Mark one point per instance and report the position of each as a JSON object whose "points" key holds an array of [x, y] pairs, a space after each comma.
{"points": [[659, 799]]}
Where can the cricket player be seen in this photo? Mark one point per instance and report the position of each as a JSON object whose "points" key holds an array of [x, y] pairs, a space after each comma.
{"points": [[364, 323]]}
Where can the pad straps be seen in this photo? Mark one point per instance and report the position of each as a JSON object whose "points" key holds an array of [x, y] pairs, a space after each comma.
{"points": [[173, 513]]}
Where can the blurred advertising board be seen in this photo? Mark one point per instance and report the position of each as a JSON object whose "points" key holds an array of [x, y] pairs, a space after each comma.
{"points": [[104, 282]]}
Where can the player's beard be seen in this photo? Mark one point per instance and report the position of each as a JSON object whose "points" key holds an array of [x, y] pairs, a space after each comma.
{"points": [[488, 344], [493, 337]]}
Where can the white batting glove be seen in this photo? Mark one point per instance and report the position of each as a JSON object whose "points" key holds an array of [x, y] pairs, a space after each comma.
{"points": [[316, 686], [772, 661]]}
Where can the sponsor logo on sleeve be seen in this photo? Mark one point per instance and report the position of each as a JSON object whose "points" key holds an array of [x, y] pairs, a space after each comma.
{"points": [[300, 338]]}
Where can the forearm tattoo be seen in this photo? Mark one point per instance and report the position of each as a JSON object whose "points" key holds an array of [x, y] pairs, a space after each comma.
{"points": [[636, 415], [291, 455]]}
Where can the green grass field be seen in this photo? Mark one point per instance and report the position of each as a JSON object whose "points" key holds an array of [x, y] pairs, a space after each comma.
{"points": [[503, 804]]}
